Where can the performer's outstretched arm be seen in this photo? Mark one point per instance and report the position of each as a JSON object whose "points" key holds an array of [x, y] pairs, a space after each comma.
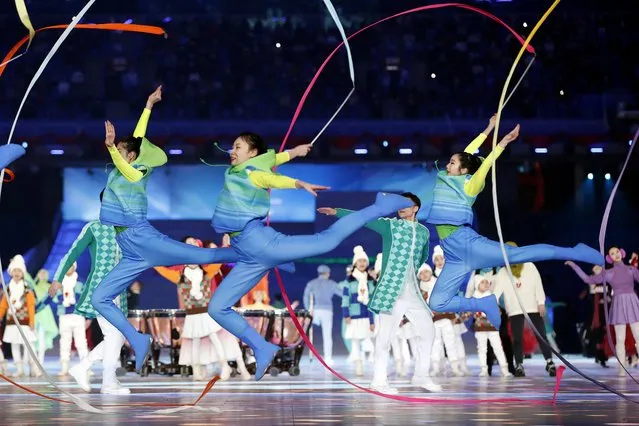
{"points": [[474, 145], [476, 183]]}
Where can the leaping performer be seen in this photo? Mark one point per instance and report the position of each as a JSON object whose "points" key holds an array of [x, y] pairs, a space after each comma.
{"points": [[124, 206], [242, 206], [456, 189]]}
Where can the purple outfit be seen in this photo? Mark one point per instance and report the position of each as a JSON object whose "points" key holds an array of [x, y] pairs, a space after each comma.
{"points": [[622, 278]]}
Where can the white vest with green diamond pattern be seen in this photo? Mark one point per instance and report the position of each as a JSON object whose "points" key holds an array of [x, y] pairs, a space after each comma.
{"points": [[403, 250]]}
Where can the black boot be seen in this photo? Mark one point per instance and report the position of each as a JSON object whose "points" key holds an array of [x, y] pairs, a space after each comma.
{"points": [[519, 371], [551, 369]]}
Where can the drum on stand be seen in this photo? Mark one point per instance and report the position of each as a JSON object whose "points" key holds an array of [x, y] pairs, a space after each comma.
{"points": [[289, 339], [262, 322]]}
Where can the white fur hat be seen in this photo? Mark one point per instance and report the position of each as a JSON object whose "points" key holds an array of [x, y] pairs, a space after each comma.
{"points": [[359, 253], [17, 263], [437, 251], [424, 267]]}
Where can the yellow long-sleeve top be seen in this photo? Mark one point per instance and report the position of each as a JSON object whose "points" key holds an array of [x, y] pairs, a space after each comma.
{"points": [[267, 180], [131, 173], [476, 183]]}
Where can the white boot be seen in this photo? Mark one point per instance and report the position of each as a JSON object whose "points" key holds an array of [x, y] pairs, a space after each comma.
{"points": [[359, 368], [64, 368], [457, 372], [241, 368], [198, 372], [384, 388], [435, 369], [34, 370], [426, 383], [226, 371], [399, 368], [113, 387], [505, 372], [80, 374], [19, 370], [4, 367], [463, 366], [483, 372]]}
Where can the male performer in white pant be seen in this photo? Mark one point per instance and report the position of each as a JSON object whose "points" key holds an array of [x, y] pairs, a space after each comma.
{"points": [[404, 249], [100, 240], [322, 290]]}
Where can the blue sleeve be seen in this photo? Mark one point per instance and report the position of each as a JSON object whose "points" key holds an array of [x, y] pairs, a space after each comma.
{"points": [[346, 302], [43, 303]]}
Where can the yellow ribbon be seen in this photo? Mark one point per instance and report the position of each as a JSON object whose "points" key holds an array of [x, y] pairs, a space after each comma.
{"points": [[26, 21]]}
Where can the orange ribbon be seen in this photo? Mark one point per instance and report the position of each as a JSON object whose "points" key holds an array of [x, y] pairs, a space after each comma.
{"points": [[132, 28]]}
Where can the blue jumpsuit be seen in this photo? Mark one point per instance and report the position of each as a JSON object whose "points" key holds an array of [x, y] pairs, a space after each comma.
{"points": [[260, 248]]}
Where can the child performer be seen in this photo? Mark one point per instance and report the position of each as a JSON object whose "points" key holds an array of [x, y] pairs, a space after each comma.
{"points": [[485, 332], [444, 328], [242, 205], [23, 301], [454, 194], [355, 299], [46, 327]]}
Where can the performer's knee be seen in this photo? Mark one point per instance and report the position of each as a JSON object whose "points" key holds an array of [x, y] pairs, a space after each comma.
{"points": [[438, 302], [216, 309]]}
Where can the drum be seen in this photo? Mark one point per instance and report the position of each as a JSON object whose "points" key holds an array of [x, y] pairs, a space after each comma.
{"points": [[165, 325], [136, 319], [285, 334], [261, 321]]}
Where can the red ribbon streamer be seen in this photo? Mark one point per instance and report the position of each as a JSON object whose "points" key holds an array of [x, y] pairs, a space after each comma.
{"points": [[560, 372], [134, 28], [302, 101], [10, 175], [300, 329], [206, 390]]}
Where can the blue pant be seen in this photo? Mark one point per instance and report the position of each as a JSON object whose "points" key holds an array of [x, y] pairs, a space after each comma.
{"points": [[144, 247], [465, 250], [260, 248]]}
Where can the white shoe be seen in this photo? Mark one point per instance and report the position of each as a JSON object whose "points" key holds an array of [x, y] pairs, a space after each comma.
{"points": [[244, 374], [399, 369], [359, 368], [226, 370], [64, 369], [384, 388], [456, 371], [506, 373], [19, 371], [483, 372], [4, 367], [81, 376], [115, 390], [426, 383], [198, 372], [329, 361]]}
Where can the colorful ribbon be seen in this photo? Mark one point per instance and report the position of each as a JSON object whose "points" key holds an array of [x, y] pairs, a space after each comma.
{"points": [[498, 221], [310, 86], [26, 21]]}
